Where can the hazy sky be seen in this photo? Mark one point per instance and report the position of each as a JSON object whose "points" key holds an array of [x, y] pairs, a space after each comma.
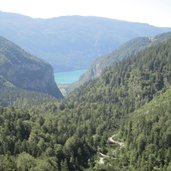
{"points": [[155, 12]]}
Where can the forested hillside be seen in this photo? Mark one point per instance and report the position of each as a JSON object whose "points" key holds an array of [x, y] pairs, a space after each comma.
{"points": [[145, 139], [147, 134], [70, 134], [132, 82]]}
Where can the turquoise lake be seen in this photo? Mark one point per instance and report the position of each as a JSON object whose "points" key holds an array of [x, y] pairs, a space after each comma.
{"points": [[68, 77]]}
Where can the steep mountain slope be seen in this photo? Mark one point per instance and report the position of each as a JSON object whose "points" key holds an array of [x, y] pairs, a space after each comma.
{"points": [[146, 135], [127, 50], [71, 42], [130, 48], [132, 82], [21, 70], [121, 90]]}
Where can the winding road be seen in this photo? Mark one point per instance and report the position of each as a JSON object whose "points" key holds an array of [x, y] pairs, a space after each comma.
{"points": [[111, 140]]}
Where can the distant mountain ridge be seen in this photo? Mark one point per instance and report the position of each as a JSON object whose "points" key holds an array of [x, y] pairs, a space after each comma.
{"points": [[20, 70], [71, 42]]}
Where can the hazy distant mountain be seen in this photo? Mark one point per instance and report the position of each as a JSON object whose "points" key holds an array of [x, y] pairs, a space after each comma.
{"points": [[71, 42], [20, 70]]}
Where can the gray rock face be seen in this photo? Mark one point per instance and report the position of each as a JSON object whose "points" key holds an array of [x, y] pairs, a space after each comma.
{"points": [[26, 71]]}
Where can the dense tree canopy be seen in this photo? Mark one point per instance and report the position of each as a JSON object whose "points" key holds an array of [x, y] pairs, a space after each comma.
{"points": [[69, 134]]}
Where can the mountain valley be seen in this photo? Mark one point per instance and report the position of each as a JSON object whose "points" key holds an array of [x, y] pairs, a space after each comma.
{"points": [[117, 117], [118, 121]]}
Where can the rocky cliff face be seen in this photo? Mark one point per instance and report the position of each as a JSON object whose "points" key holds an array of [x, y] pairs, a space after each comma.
{"points": [[26, 71]]}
